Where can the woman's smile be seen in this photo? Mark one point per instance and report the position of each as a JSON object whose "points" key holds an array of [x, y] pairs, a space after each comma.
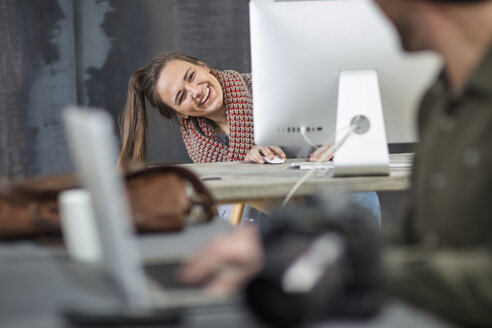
{"points": [[205, 96]]}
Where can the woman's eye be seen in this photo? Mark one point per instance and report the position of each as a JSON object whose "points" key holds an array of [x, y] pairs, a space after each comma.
{"points": [[192, 75]]}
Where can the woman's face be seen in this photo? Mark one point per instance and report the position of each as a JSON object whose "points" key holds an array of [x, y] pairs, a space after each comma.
{"points": [[190, 89]]}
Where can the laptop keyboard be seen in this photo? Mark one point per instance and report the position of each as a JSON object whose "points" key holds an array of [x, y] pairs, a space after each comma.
{"points": [[176, 294], [166, 275]]}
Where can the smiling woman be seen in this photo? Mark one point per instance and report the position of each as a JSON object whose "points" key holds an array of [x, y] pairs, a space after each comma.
{"points": [[214, 108], [215, 112]]}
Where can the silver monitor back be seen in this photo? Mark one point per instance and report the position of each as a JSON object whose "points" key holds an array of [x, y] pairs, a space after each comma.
{"points": [[298, 49]]}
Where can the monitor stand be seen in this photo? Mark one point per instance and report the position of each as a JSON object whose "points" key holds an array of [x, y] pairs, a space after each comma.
{"points": [[365, 152]]}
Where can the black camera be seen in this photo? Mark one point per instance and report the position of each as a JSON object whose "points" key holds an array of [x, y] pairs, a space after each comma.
{"points": [[322, 260]]}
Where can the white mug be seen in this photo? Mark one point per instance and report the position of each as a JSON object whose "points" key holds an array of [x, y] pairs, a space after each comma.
{"points": [[79, 226]]}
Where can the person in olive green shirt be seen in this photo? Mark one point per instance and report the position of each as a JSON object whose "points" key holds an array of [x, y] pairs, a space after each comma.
{"points": [[446, 265], [444, 260]]}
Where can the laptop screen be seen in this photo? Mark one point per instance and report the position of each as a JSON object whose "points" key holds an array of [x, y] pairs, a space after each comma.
{"points": [[94, 149]]}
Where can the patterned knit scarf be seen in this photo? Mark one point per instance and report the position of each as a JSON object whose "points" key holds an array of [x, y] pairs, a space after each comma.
{"points": [[199, 134]]}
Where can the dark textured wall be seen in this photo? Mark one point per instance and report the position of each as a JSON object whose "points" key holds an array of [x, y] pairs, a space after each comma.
{"points": [[36, 79], [59, 52]]}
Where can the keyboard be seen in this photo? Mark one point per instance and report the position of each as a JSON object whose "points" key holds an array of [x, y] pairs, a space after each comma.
{"points": [[329, 165], [311, 165], [166, 275]]}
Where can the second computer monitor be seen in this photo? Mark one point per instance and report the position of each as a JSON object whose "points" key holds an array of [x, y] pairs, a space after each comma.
{"points": [[299, 48]]}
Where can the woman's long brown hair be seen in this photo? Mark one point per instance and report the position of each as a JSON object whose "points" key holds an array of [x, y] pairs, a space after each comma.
{"points": [[133, 118]]}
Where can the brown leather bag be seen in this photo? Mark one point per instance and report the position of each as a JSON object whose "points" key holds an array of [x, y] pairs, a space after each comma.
{"points": [[159, 198]]}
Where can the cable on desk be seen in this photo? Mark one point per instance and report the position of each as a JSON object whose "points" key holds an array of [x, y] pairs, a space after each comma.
{"points": [[325, 156]]}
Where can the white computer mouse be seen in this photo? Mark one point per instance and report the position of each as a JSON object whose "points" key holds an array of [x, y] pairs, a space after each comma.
{"points": [[275, 160]]}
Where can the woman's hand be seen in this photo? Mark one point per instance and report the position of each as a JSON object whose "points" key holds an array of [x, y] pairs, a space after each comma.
{"points": [[256, 154], [319, 153]]}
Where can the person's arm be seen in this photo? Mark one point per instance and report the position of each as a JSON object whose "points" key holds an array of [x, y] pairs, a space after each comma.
{"points": [[257, 152], [454, 283], [227, 263]]}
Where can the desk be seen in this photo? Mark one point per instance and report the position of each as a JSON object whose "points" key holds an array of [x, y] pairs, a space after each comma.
{"points": [[232, 182], [35, 283]]}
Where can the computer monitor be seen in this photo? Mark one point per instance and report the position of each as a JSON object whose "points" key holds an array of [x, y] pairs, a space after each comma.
{"points": [[299, 49]]}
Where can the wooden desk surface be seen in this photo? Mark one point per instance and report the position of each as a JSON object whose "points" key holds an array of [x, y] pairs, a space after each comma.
{"points": [[232, 182]]}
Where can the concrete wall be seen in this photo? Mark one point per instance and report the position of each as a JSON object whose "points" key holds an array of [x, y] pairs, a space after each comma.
{"points": [[59, 52], [37, 78]]}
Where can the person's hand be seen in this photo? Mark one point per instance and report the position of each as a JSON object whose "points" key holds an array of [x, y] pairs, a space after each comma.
{"points": [[256, 153], [319, 153], [227, 263]]}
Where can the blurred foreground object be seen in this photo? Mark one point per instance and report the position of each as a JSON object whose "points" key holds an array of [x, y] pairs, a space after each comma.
{"points": [[321, 261], [78, 224], [162, 198]]}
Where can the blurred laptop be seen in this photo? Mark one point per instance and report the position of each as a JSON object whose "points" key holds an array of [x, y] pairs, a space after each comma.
{"points": [[149, 290]]}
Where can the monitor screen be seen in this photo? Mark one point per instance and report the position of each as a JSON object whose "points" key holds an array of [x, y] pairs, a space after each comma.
{"points": [[299, 48]]}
